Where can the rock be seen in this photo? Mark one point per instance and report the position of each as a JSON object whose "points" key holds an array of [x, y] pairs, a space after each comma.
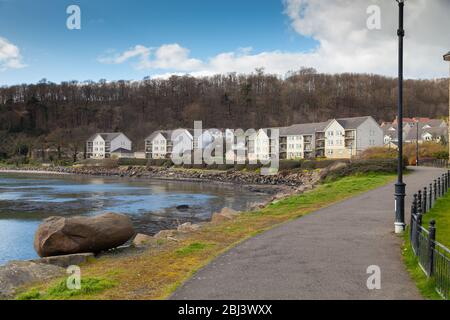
{"points": [[141, 240], [18, 273], [164, 234], [66, 260], [61, 236], [225, 215], [188, 227], [183, 207]]}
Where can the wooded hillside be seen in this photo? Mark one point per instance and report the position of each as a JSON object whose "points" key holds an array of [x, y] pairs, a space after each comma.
{"points": [[64, 115]]}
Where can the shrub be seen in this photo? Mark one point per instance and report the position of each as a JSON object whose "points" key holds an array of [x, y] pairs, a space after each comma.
{"points": [[379, 153], [160, 163], [133, 162], [289, 164], [364, 166]]}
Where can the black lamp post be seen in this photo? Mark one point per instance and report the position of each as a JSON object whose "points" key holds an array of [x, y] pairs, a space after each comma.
{"points": [[400, 186], [417, 143]]}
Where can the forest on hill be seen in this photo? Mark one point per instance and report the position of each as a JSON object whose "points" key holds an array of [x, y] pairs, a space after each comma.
{"points": [[62, 116]]}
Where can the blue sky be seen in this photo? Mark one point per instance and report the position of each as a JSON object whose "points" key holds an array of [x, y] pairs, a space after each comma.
{"points": [[206, 27], [132, 39]]}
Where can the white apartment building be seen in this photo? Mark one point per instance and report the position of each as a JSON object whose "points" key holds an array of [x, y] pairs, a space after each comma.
{"points": [[162, 144], [102, 145]]}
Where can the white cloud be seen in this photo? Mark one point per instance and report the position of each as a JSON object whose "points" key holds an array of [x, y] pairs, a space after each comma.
{"points": [[345, 44], [10, 57]]}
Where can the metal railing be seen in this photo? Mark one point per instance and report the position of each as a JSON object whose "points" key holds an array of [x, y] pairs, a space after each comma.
{"points": [[437, 163], [433, 257]]}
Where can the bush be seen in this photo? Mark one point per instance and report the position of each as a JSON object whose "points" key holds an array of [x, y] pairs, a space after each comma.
{"points": [[133, 162], [440, 155], [289, 164], [160, 163], [429, 150], [379, 153], [364, 166]]}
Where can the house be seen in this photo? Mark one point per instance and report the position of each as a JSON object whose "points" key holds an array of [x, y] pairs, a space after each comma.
{"points": [[299, 141], [360, 133], [162, 144], [336, 138], [428, 130], [102, 145], [261, 145]]}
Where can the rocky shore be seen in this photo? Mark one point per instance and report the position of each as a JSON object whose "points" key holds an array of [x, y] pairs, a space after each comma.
{"points": [[296, 179], [284, 184]]}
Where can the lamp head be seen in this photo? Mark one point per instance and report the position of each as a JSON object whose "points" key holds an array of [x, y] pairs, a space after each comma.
{"points": [[447, 56]]}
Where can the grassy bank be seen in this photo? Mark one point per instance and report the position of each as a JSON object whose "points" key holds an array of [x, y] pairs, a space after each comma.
{"points": [[157, 272], [423, 283], [441, 214]]}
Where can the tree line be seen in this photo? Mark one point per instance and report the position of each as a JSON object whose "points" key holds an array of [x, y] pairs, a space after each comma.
{"points": [[62, 116]]}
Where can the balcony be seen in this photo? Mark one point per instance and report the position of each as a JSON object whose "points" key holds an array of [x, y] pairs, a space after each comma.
{"points": [[320, 136]]}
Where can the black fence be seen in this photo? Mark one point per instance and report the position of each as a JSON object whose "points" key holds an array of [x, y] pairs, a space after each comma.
{"points": [[433, 257], [437, 163]]}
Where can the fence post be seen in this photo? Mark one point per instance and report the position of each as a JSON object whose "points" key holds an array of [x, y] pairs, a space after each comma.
{"points": [[431, 196], [435, 190], [419, 202], [444, 188], [439, 187], [448, 176], [418, 231], [412, 230], [431, 247], [425, 196]]}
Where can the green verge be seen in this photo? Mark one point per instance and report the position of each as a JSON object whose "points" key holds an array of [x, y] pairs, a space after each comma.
{"points": [[157, 272], [423, 283], [441, 214]]}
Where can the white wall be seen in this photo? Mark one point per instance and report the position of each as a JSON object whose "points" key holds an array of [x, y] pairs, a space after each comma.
{"points": [[121, 141], [98, 148], [335, 141]]}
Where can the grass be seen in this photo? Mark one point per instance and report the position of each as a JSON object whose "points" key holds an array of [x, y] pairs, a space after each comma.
{"points": [[157, 272], [59, 290], [423, 283], [441, 214]]}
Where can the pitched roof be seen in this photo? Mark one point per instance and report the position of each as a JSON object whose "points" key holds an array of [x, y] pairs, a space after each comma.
{"points": [[352, 123], [304, 128], [107, 136], [165, 133]]}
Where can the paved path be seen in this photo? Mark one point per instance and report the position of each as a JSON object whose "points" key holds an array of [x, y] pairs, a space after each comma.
{"points": [[323, 255]]}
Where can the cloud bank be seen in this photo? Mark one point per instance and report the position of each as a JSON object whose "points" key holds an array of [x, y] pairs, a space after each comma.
{"points": [[10, 57], [345, 44]]}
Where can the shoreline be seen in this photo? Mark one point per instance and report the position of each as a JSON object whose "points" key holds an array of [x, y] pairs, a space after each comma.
{"points": [[290, 183]]}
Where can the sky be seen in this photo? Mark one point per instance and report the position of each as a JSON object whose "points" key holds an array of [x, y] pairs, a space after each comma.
{"points": [[133, 39]]}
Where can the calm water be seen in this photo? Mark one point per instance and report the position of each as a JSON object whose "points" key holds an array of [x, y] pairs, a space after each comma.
{"points": [[25, 200]]}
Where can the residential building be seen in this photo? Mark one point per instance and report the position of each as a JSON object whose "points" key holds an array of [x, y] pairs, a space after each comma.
{"points": [[102, 145], [336, 138], [299, 141], [162, 144], [360, 134], [430, 130]]}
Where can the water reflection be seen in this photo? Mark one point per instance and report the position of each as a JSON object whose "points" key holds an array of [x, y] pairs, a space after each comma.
{"points": [[151, 204]]}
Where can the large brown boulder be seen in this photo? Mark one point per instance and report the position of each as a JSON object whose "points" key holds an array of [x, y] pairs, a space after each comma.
{"points": [[60, 236]]}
